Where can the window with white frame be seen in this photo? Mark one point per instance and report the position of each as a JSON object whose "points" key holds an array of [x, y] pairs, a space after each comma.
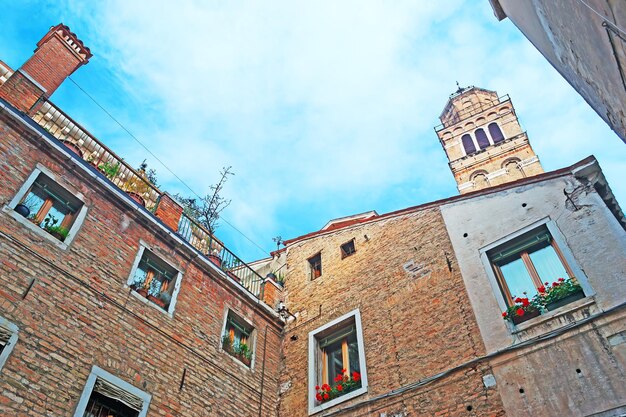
{"points": [[44, 203], [8, 339], [238, 338], [533, 275], [106, 395], [155, 280], [315, 266], [336, 362]]}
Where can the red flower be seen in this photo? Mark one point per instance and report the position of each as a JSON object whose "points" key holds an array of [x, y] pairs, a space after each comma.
{"points": [[520, 312], [326, 396], [546, 283], [504, 314], [542, 289], [338, 378], [326, 387], [339, 388], [356, 376], [317, 387], [525, 302], [343, 371], [518, 300], [555, 284], [561, 280], [319, 397]]}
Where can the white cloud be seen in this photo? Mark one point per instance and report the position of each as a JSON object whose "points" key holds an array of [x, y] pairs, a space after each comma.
{"points": [[323, 106]]}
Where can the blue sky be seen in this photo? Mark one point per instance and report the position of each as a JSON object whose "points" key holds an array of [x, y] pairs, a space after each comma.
{"points": [[324, 109]]}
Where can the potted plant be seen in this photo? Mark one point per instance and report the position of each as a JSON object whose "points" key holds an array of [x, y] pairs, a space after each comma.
{"points": [[72, 147], [342, 384], [50, 226], [523, 309], [561, 292], [227, 344], [22, 209], [138, 185], [243, 353], [109, 169]]}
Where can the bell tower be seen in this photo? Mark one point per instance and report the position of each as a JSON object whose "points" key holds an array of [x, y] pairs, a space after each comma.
{"points": [[484, 141]]}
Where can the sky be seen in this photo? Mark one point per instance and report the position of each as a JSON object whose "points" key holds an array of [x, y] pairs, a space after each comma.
{"points": [[323, 109]]}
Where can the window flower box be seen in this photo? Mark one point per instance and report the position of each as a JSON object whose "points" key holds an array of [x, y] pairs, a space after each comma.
{"points": [[523, 309], [342, 384]]}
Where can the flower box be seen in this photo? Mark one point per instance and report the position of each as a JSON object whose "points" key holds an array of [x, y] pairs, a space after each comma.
{"points": [[578, 295], [526, 316]]}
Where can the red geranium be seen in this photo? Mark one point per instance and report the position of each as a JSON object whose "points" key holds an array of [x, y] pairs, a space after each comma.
{"points": [[525, 302], [518, 300], [542, 289], [356, 376], [561, 279], [317, 387], [318, 397], [504, 314], [326, 396], [339, 388], [520, 311], [326, 387]]}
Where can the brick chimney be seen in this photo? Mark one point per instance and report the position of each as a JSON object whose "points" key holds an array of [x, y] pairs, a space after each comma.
{"points": [[59, 53]]}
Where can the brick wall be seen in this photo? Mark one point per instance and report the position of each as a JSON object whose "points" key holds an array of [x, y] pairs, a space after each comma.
{"points": [[79, 313], [414, 326]]}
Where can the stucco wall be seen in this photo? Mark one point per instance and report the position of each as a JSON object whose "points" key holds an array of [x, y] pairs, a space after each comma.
{"points": [[594, 245]]}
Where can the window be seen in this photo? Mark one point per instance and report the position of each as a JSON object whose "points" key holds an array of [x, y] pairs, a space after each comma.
{"points": [[8, 339], [524, 265], [155, 280], [43, 204], [336, 362], [495, 132], [479, 179], [468, 144], [513, 169], [238, 338], [347, 249], [105, 395], [315, 266], [482, 139]]}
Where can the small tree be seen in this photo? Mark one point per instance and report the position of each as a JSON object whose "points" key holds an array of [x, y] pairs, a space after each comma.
{"points": [[207, 210]]}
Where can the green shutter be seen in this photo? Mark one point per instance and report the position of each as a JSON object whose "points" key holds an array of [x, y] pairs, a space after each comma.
{"points": [[520, 246], [335, 337]]}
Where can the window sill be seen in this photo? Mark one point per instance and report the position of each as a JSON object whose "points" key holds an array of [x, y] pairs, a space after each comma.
{"points": [[36, 229], [325, 406], [571, 307], [150, 303]]}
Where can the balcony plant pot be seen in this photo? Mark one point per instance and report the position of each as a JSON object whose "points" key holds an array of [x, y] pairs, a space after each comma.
{"points": [[216, 260], [137, 197], [73, 147], [244, 360], [578, 295], [527, 316], [22, 210], [58, 236], [142, 291]]}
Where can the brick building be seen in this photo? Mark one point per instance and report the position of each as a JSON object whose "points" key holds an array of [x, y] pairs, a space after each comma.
{"points": [[113, 302]]}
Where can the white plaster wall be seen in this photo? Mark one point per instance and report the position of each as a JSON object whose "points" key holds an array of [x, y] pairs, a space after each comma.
{"points": [[593, 236]]}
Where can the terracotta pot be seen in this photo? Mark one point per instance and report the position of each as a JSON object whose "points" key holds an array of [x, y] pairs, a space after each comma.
{"points": [[527, 316], [138, 198], [73, 147], [143, 292], [216, 260], [58, 236], [578, 295]]}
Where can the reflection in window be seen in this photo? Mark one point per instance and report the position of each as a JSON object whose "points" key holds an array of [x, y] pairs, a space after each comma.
{"points": [[468, 144], [481, 138]]}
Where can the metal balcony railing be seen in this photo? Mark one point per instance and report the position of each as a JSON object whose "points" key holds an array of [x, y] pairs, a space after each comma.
{"points": [[201, 239], [136, 184]]}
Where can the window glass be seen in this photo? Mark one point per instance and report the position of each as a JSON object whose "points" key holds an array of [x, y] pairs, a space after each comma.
{"points": [[481, 138], [468, 144], [495, 132], [547, 264], [518, 278], [154, 280]]}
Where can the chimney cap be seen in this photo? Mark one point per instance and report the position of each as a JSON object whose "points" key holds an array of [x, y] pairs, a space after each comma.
{"points": [[70, 38]]}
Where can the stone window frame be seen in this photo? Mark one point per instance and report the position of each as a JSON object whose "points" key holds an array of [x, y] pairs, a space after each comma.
{"points": [[25, 188], [97, 372], [229, 312], [11, 342], [314, 362], [568, 257], [143, 246], [311, 266], [344, 253]]}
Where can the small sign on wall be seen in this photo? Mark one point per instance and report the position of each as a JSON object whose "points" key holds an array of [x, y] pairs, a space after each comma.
{"points": [[415, 270]]}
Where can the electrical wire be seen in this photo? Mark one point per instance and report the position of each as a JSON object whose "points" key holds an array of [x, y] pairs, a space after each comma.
{"points": [[159, 160]]}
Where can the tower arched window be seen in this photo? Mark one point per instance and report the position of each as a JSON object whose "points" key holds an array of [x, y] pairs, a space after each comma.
{"points": [[481, 138], [468, 144], [495, 132]]}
